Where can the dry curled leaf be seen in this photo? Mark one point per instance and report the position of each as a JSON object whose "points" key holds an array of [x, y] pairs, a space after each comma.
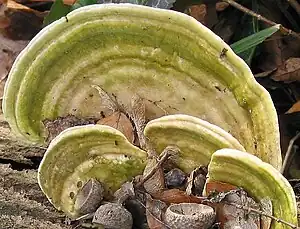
{"points": [[156, 183], [125, 192], [119, 121], [155, 210], [230, 216], [138, 110], [176, 196], [289, 71], [233, 217]]}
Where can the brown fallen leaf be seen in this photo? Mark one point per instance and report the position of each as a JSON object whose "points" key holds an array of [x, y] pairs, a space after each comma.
{"points": [[289, 71], [156, 183], [198, 12], [294, 108], [233, 217], [176, 196], [230, 216], [155, 213], [19, 22], [213, 186], [9, 50], [4, 21], [119, 121], [56, 126]]}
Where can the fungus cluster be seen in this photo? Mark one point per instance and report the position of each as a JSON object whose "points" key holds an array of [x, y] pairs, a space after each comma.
{"points": [[162, 73]]}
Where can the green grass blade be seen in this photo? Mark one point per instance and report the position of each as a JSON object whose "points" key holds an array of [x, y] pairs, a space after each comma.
{"points": [[254, 39]]}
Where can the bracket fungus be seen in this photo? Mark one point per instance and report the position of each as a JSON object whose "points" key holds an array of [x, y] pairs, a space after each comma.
{"points": [[259, 179], [167, 58], [174, 65], [80, 153]]}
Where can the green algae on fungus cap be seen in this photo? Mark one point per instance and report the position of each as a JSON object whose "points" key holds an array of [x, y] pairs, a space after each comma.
{"points": [[196, 139], [259, 179], [167, 58], [84, 152]]}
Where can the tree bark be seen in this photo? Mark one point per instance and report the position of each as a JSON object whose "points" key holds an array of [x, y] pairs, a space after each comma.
{"points": [[22, 203]]}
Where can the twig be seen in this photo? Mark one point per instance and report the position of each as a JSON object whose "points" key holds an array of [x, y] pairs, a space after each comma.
{"points": [[261, 213], [288, 153], [295, 5], [165, 155], [283, 29]]}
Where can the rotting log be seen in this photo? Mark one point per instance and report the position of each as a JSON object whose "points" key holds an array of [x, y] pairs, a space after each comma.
{"points": [[14, 151], [22, 204]]}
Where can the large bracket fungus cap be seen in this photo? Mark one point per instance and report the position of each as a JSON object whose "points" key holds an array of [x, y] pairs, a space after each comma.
{"points": [[167, 58], [84, 152], [259, 179]]}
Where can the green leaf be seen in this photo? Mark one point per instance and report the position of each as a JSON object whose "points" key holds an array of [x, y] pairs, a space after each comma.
{"points": [[58, 10], [254, 39], [163, 4], [251, 27]]}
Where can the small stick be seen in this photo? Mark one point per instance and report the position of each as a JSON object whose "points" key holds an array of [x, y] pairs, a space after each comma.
{"points": [[283, 29], [288, 153], [261, 213]]}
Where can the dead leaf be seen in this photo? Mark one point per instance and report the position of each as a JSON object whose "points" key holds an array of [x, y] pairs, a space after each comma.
{"points": [[55, 127], [156, 183], [155, 211], [125, 192], [196, 181], [20, 22], [234, 217], [9, 50], [176, 196], [289, 71], [138, 116], [4, 21], [213, 186], [294, 108], [198, 12], [230, 216], [119, 121]]}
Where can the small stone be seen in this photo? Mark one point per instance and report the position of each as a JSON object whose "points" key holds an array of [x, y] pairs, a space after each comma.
{"points": [[113, 216], [175, 178]]}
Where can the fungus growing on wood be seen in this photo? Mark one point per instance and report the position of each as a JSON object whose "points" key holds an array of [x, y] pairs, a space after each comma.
{"points": [[167, 58]]}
